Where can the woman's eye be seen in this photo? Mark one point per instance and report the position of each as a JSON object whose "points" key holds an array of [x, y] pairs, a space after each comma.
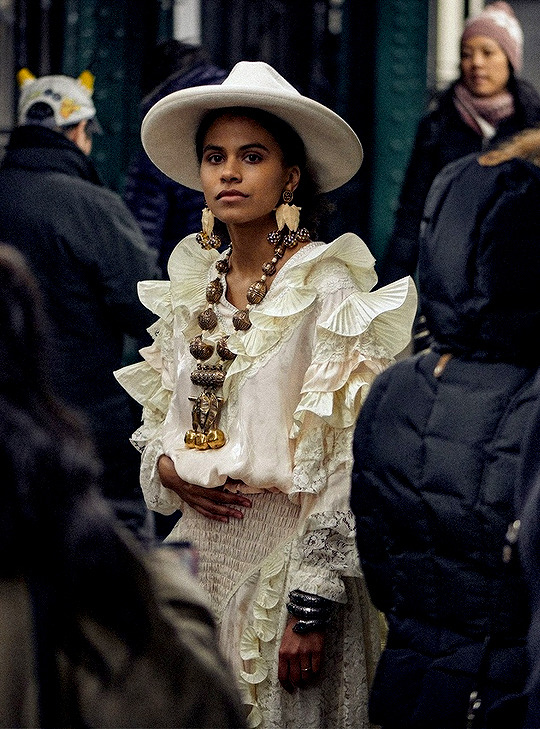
{"points": [[214, 158], [253, 157]]}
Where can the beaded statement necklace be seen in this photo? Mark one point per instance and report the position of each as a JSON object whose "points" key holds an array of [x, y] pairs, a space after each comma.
{"points": [[205, 432]]}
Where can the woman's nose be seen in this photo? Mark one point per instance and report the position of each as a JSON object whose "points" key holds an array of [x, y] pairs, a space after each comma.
{"points": [[477, 59], [230, 171]]}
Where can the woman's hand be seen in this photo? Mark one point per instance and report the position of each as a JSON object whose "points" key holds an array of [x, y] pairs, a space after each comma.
{"points": [[213, 503], [299, 657]]}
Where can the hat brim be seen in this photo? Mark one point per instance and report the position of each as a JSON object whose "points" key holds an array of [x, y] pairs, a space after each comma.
{"points": [[333, 150]]}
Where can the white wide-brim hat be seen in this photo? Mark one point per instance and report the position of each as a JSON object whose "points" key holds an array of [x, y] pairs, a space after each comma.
{"points": [[333, 151]]}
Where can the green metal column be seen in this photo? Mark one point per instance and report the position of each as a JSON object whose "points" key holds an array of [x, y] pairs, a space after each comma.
{"points": [[110, 38], [399, 99]]}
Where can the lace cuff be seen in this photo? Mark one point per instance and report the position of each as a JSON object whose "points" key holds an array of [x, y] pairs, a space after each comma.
{"points": [[320, 452], [157, 497], [327, 552]]}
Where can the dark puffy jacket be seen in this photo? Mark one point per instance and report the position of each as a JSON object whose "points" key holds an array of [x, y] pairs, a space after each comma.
{"points": [[443, 137], [88, 254], [166, 210], [528, 509], [437, 457]]}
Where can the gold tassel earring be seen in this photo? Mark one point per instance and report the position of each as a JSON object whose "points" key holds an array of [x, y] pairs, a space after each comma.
{"points": [[288, 215], [207, 239]]}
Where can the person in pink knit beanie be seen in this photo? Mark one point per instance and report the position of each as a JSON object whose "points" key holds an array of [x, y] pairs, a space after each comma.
{"points": [[489, 103], [498, 22]]}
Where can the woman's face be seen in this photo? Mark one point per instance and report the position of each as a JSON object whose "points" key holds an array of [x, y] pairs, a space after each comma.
{"points": [[485, 69], [242, 171]]}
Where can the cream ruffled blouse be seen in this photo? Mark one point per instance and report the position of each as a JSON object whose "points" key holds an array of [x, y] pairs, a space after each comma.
{"points": [[292, 396], [293, 392]]}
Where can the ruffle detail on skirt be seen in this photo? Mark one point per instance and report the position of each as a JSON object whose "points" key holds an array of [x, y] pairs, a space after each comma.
{"points": [[263, 629]]}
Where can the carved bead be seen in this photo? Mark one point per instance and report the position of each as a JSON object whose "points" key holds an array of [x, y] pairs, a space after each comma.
{"points": [[207, 319], [269, 268], [202, 240], [222, 266], [223, 351], [302, 235], [274, 237], [214, 241], [256, 292], [199, 349], [214, 291], [215, 438], [207, 242], [290, 240], [206, 376], [201, 443], [241, 320]]}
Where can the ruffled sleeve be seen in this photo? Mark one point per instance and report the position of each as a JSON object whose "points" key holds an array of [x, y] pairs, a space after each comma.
{"points": [[151, 382], [358, 334]]}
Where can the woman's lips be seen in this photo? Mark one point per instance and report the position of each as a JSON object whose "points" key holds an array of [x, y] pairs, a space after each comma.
{"points": [[230, 194]]}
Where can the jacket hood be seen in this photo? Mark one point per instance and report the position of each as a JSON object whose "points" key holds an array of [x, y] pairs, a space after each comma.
{"points": [[38, 149], [479, 262], [200, 73]]}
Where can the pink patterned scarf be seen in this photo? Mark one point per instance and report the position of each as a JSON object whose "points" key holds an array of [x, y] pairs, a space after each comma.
{"points": [[492, 110]]}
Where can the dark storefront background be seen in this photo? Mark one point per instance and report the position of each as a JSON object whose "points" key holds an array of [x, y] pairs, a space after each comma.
{"points": [[366, 59]]}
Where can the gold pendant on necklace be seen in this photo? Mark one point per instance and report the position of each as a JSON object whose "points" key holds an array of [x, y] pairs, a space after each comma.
{"points": [[204, 417]]}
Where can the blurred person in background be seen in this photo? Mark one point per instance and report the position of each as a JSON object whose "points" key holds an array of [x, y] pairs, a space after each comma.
{"points": [[95, 631], [437, 454], [166, 210], [88, 253], [487, 104]]}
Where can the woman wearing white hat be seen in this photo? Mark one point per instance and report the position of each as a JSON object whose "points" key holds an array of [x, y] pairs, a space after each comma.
{"points": [[265, 346]]}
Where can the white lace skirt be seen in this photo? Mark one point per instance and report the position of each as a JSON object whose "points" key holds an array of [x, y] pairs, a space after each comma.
{"points": [[245, 566]]}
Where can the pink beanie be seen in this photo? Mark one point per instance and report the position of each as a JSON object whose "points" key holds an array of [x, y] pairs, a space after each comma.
{"points": [[498, 22]]}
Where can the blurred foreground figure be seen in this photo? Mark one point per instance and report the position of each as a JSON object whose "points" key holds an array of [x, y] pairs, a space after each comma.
{"points": [[437, 451], [88, 254], [93, 632]]}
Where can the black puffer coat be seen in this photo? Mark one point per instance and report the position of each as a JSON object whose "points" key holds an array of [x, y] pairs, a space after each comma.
{"points": [[436, 459], [443, 137], [528, 508]]}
